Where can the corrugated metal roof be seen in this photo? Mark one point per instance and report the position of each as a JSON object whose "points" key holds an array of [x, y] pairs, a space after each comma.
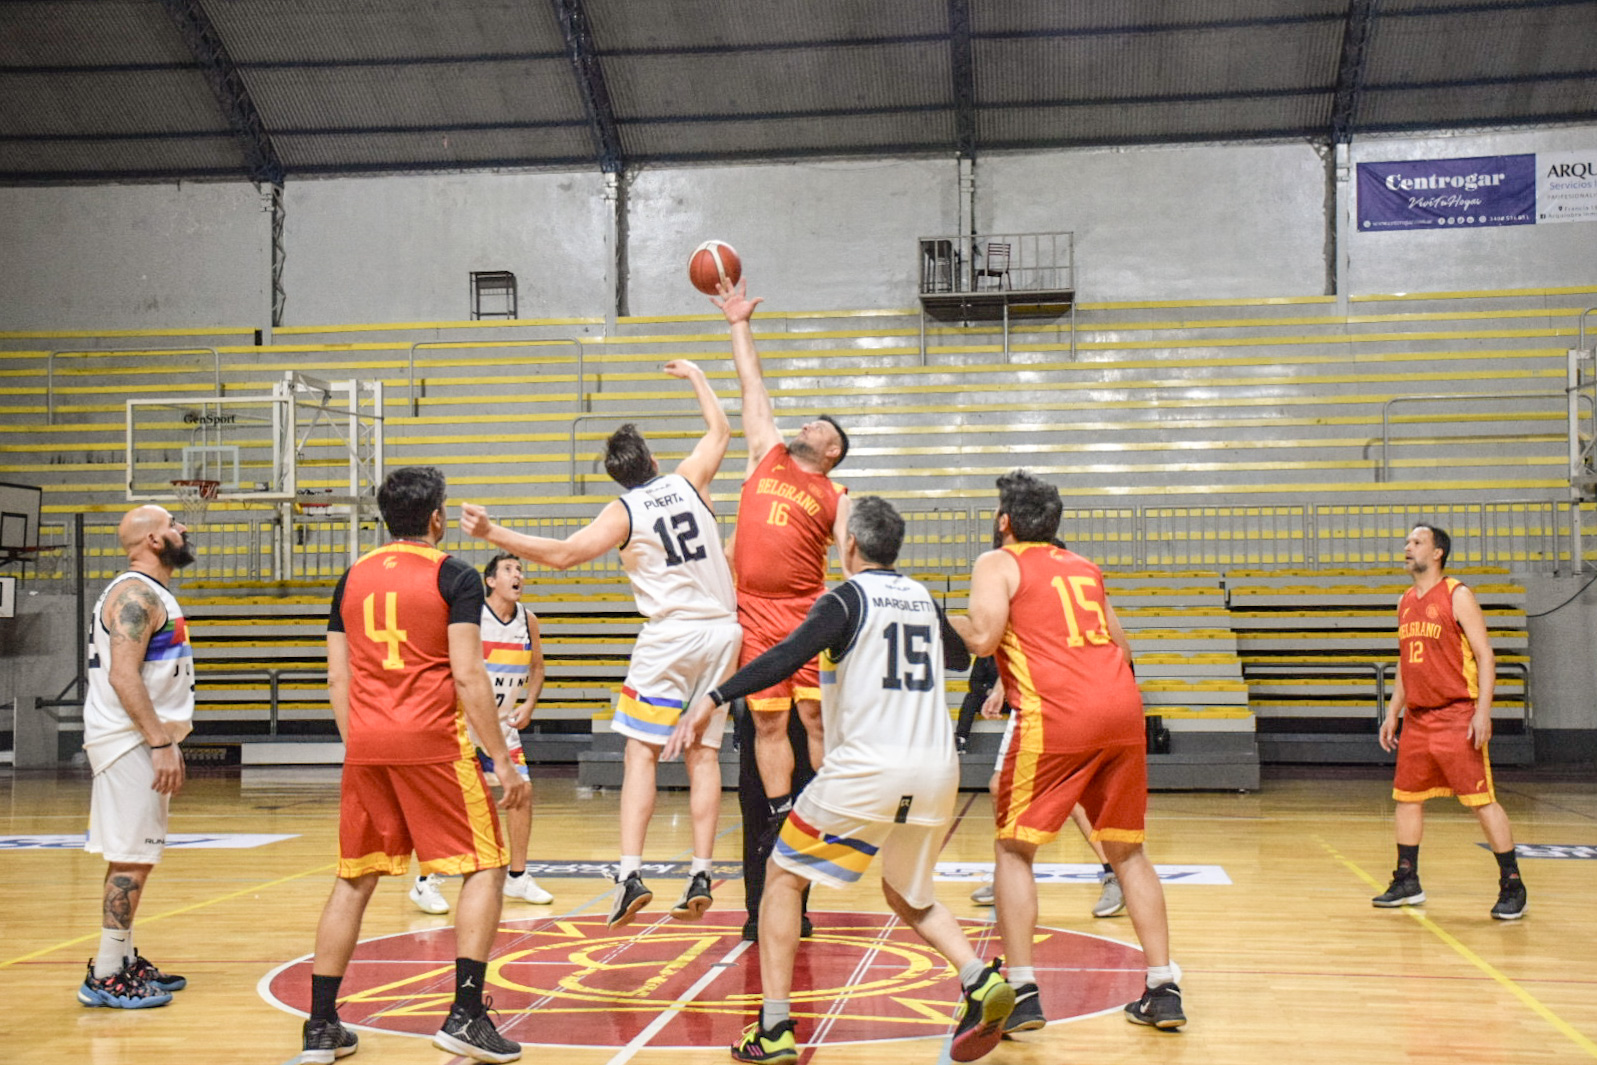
{"points": [[105, 88]]}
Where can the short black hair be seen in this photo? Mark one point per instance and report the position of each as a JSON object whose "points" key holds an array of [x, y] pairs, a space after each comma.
{"points": [[491, 569], [1439, 538], [877, 528], [627, 458], [842, 438], [409, 497], [1033, 506]]}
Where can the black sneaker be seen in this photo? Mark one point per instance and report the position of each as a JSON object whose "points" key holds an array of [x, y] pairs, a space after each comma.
{"points": [[474, 1036], [806, 927], [1027, 1015], [1512, 901], [779, 1046], [1404, 890], [326, 1040], [631, 896], [751, 930], [145, 970], [982, 1015], [1159, 1007], [120, 991], [696, 898]]}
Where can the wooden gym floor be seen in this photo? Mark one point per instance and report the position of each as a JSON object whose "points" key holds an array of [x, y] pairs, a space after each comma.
{"points": [[1288, 962]]}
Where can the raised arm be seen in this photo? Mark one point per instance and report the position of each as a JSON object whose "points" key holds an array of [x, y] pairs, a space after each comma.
{"points": [[701, 465], [840, 533], [608, 530], [992, 583], [132, 615], [1473, 622], [759, 423]]}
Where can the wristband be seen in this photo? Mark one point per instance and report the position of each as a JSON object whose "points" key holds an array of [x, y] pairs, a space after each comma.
{"points": [[161, 747]]}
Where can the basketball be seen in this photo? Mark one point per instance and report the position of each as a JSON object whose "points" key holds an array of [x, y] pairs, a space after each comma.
{"points": [[714, 261]]}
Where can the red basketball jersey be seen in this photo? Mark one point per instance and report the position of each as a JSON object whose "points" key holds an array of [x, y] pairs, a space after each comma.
{"points": [[402, 704], [1436, 661], [1063, 674], [785, 518]]}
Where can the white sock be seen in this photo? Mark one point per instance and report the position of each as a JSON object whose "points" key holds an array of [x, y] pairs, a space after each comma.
{"points": [[971, 973], [1022, 974], [130, 951], [1159, 975], [773, 1011], [114, 946], [630, 863], [700, 865]]}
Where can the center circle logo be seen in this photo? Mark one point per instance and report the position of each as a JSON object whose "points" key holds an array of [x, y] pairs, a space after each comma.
{"points": [[572, 982]]}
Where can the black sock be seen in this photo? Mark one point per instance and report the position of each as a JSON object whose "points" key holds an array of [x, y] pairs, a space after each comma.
{"points": [[1108, 868], [515, 872], [324, 997], [779, 805], [469, 975], [1408, 859], [1507, 863]]}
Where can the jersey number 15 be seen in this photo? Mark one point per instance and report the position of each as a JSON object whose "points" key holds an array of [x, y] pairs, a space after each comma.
{"points": [[917, 658]]}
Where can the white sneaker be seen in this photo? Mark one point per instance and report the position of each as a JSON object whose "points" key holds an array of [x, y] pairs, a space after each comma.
{"points": [[425, 894], [983, 895], [526, 889], [1112, 901]]}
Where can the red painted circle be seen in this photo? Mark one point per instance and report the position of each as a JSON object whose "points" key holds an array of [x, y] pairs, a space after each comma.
{"points": [[571, 982]]}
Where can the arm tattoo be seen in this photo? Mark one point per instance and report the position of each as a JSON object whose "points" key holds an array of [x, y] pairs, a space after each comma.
{"points": [[134, 616], [121, 899]]}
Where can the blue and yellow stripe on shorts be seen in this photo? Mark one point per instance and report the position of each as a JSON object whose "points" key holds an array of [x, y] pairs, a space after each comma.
{"points": [[650, 714], [835, 857]]}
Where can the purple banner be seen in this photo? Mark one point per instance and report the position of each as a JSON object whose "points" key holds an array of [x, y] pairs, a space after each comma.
{"points": [[1493, 190]]}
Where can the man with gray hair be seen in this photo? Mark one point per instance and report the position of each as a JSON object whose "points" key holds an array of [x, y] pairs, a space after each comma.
{"points": [[887, 784]]}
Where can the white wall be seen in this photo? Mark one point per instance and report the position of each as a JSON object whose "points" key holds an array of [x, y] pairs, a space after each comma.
{"points": [[134, 256], [1197, 222], [812, 236], [399, 249]]}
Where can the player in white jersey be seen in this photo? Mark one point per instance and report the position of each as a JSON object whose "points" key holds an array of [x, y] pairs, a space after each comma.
{"points": [[887, 785], [671, 550], [514, 656], [140, 706]]}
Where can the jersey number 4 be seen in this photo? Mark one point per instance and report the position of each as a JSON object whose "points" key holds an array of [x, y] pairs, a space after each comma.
{"points": [[687, 531], [390, 634], [916, 654]]}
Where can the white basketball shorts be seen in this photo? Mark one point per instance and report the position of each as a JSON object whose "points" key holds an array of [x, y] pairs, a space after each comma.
{"points": [[674, 664], [127, 816]]}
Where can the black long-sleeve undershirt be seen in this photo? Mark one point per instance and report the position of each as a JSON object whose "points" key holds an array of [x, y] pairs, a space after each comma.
{"points": [[831, 626]]}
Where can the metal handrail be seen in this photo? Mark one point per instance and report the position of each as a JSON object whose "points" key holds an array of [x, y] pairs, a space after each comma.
{"points": [[415, 398], [274, 676], [571, 468], [49, 369], [1581, 327], [1384, 474]]}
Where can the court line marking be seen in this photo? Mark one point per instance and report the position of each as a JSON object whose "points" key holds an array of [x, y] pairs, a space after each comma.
{"points": [[94, 936], [669, 1014], [1530, 1001]]}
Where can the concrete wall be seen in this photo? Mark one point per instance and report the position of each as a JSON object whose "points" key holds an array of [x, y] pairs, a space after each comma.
{"points": [[39, 647], [1563, 662]]}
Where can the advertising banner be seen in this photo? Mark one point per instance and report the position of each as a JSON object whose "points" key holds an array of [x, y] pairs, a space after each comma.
{"points": [[1492, 190], [1566, 186]]}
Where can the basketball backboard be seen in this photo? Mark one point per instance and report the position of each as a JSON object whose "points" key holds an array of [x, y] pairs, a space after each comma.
{"points": [[19, 515], [237, 440]]}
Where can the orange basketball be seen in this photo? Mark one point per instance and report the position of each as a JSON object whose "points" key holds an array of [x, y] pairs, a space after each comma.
{"points": [[714, 261]]}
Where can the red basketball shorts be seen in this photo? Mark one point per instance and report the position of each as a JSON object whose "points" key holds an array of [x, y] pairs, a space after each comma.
{"points": [[766, 623], [1435, 757], [1038, 789], [441, 810]]}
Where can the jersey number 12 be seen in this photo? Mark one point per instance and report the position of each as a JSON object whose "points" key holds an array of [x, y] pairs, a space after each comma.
{"points": [[687, 532]]}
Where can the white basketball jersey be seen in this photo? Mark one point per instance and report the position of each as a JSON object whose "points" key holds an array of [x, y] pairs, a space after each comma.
{"points": [[673, 554], [507, 651], [168, 672], [889, 740]]}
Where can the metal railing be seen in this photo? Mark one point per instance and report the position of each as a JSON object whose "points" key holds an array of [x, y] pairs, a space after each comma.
{"points": [[49, 369], [1384, 473], [274, 678], [571, 467], [979, 262], [415, 395]]}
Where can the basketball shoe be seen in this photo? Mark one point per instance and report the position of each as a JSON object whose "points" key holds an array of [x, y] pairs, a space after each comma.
{"points": [[630, 897], [526, 889], [1159, 1007], [1027, 1014], [776, 1047], [326, 1040], [983, 895], [1404, 890], [120, 991], [1112, 901], [145, 970], [1512, 901], [696, 898], [982, 1015], [425, 894], [474, 1036]]}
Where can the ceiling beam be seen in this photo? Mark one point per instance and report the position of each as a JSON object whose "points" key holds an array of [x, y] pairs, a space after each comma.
{"points": [[1350, 71], [590, 83], [199, 33], [963, 68]]}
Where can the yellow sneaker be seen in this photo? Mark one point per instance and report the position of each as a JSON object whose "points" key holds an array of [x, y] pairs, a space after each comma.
{"points": [[776, 1047]]}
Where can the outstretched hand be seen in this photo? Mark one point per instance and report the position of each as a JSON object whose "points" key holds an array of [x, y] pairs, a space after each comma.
{"points": [[734, 301], [682, 368], [474, 521]]}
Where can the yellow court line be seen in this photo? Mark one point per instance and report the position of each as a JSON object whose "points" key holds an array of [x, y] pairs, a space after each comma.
{"points": [[174, 913], [1531, 1001]]}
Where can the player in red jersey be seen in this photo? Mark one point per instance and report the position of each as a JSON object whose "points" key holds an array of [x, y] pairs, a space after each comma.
{"points": [[405, 674], [1066, 667], [788, 512], [1443, 695]]}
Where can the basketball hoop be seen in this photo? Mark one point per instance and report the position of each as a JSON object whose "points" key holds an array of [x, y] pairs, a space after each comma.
{"points": [[195, 497]]}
